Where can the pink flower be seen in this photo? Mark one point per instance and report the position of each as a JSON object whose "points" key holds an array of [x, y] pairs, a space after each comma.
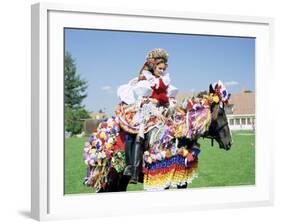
{"points": [[190, 157]]}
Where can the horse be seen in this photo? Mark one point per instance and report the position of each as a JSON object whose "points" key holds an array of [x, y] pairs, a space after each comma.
{"points": [[217, 130]]}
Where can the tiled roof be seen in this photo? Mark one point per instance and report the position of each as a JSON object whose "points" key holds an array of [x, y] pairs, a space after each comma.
{"points": [[181, 96], [243, 103]]}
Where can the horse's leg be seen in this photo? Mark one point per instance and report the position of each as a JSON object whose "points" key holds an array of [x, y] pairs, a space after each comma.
{"points": [[102, 190], [113, 181], [116, 182], [141, 174], [123, 182]]}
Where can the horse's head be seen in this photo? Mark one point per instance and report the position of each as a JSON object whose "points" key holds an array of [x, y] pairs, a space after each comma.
{"points": [[219, 129]]}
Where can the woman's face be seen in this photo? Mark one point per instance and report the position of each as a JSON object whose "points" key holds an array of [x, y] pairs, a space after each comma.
{"points": [[159, 69]]}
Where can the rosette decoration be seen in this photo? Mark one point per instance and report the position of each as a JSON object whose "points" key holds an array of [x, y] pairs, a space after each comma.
{"points": [[221, 92], [193, 118], [103, 151], [166, 165]]}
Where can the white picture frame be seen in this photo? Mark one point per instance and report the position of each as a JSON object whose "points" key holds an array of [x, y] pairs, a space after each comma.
{"points": [[48, 201]]}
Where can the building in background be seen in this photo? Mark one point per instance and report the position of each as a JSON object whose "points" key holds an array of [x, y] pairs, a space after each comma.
{"points": [[97, 115], [92, 123], [241, 111]]}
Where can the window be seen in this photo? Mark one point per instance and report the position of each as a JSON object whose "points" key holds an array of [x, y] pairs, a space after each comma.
{"points": [[243, 120], [237, 121], [249, 121], [231, 121]]}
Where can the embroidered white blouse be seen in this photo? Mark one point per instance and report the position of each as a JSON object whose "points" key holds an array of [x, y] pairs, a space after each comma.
{"points": [[137, 89]]}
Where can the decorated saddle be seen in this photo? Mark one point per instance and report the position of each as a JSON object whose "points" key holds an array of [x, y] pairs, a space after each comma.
{"points": [[141, 117]]}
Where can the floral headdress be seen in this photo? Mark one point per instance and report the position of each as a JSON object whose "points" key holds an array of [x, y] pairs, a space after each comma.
{"points": [[155, 57]]}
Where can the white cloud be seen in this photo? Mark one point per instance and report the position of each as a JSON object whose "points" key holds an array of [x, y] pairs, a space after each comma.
{"points": [[231, 83], [106, 88]]}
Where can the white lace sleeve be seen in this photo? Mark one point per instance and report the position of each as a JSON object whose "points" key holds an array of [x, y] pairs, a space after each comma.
{"points": [[166, 78], [172, 91], [148, 75]]}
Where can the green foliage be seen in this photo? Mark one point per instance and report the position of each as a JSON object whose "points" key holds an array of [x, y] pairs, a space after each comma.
{"points": [[74, 93], [74, 87], [74, 119]]}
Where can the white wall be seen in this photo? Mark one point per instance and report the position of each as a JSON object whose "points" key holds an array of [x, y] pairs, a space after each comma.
{"points": [[234, 126], [15, 102]]}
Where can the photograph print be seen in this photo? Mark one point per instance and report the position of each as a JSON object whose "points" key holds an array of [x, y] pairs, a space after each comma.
{"points": [[148, 111]]}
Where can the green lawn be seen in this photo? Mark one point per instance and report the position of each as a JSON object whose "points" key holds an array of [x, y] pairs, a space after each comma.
{"points": [[217, 167]]}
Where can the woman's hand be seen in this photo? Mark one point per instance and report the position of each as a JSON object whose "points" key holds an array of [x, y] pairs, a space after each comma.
{"points": [[155, 101], [145, 101], [141, 77]]}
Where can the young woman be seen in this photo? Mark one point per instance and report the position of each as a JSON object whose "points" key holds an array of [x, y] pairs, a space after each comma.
{"points": [[152, 82], [145, 103]]}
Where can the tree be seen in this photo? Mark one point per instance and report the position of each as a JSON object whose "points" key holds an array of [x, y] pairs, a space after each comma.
{"points": [[74, 93], [74, 87], [74, 119]]}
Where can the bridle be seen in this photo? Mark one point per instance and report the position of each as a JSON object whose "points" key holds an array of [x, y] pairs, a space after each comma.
{"points": [[212, 134], [221, 127]]}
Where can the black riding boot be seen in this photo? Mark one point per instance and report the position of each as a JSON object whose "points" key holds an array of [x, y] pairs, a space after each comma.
{"points": [[129, 143], [137, 153]]}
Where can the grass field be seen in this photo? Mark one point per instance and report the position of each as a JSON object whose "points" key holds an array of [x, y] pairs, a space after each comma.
{"points": [[217, 167]]}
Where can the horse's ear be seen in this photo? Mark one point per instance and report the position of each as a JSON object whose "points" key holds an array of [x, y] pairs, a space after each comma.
{"points": [[211, 90]]}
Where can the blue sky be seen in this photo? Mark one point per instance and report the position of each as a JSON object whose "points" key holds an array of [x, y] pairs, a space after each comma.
{"points": [[107, 59]]}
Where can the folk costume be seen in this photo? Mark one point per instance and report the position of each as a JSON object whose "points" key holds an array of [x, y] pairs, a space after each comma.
{"points": [[145, 103], [157, 88]]}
